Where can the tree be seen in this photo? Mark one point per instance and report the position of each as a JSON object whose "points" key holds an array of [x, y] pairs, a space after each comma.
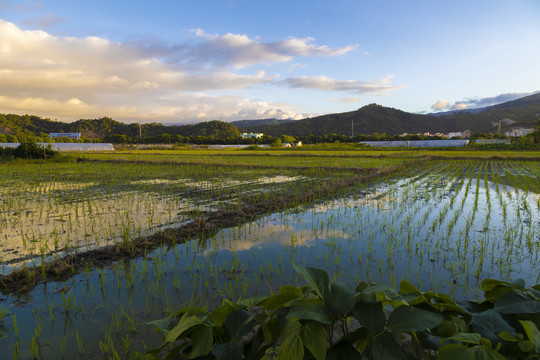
{"points": [[287, 139], [11, 138]]}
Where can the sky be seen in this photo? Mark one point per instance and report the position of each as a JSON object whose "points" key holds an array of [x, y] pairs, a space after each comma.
{"points": [[201, 60]]}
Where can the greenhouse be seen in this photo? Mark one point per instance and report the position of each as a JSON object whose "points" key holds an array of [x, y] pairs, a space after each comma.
{"points": [[66, 147]]}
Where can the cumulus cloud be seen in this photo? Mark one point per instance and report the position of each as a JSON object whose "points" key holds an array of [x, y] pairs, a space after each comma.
{"points": [[239, 50], [68, 78], [441, 105], [375, 87], [474, 103]]}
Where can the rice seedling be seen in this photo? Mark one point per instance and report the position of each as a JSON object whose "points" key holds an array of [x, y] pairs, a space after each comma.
{"points": [[445, 224]]}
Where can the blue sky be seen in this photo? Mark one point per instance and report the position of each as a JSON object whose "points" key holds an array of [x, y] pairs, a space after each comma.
{"points": [[191, 61]]}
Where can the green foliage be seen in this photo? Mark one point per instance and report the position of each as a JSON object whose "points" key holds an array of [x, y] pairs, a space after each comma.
{"points": [[373, 320], [28, 149]]}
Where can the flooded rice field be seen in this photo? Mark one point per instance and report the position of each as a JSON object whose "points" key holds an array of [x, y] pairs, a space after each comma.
{"points": [[444, 226]]}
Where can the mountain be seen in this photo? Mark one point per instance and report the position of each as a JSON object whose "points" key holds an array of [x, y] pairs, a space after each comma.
{"points": [[375, 118], [247, 123], [369, 119], [522, 112]]}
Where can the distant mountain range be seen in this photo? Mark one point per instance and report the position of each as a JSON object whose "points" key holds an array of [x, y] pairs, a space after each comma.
{"points": [[373, 118]]}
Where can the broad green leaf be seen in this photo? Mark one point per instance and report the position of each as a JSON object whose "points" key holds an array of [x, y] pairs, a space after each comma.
{"points": [[469, 338], [202, 342], [517, 302], [186, 324], [309, 310], [233, 350], [491, 284], [291, 290], [508, 337], [455, 352], [339, 299], [314, 338], [489, 324], [235, 323], [447, 328], [276, 301], [532, 333], [291, 348], [371, 316], [362, 285], [252, 301], [316, 278], [536, 287], [165, 324], [486, 353], [526, 346], [219, 315], [386, 348], [195, 311], [406, 287], [408, 318]]}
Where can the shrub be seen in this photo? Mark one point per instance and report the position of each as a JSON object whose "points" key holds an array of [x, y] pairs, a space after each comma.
{"points": [[326, 320], [32, 150]]}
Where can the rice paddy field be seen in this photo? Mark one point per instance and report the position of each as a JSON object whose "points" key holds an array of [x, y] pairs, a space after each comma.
{"points": [[93, 250]]}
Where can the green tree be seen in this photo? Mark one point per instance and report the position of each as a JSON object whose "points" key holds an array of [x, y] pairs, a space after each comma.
{"points": [[287, 139], [11, 138]]}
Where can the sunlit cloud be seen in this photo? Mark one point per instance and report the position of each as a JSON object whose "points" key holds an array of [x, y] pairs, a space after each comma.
{"points": [[348, 100], [474, 103], [42, 74], [239, 50], [375, 87]]}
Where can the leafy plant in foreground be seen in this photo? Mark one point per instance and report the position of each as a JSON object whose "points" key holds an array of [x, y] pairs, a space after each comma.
{"points": [[331, 320]]}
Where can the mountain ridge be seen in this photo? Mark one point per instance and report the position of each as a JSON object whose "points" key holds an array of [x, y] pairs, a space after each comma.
{"points": [[366, 120]]}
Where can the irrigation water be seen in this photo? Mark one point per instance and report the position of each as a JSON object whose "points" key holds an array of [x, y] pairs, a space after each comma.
{"points": [[445, 225]]}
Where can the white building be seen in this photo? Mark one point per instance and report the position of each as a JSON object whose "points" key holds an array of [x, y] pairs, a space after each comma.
{"points": [[66, 135], [518, 132], [455, 134], [251, 135]]}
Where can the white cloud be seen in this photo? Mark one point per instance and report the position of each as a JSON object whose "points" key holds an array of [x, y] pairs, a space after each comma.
{"points": [[68, 78], [240, 51], [375, 87], [348, 100], [441, 105], [474, 103]]}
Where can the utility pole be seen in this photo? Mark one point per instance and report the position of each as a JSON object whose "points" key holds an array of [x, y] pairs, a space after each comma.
{"points": [[352, 129], [140, 131]]}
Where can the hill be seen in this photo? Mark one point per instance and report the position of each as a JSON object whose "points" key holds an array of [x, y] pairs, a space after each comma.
{"points": [[93, 129], [369, 119], [261, 122], [524, 112], [374, 118]]}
